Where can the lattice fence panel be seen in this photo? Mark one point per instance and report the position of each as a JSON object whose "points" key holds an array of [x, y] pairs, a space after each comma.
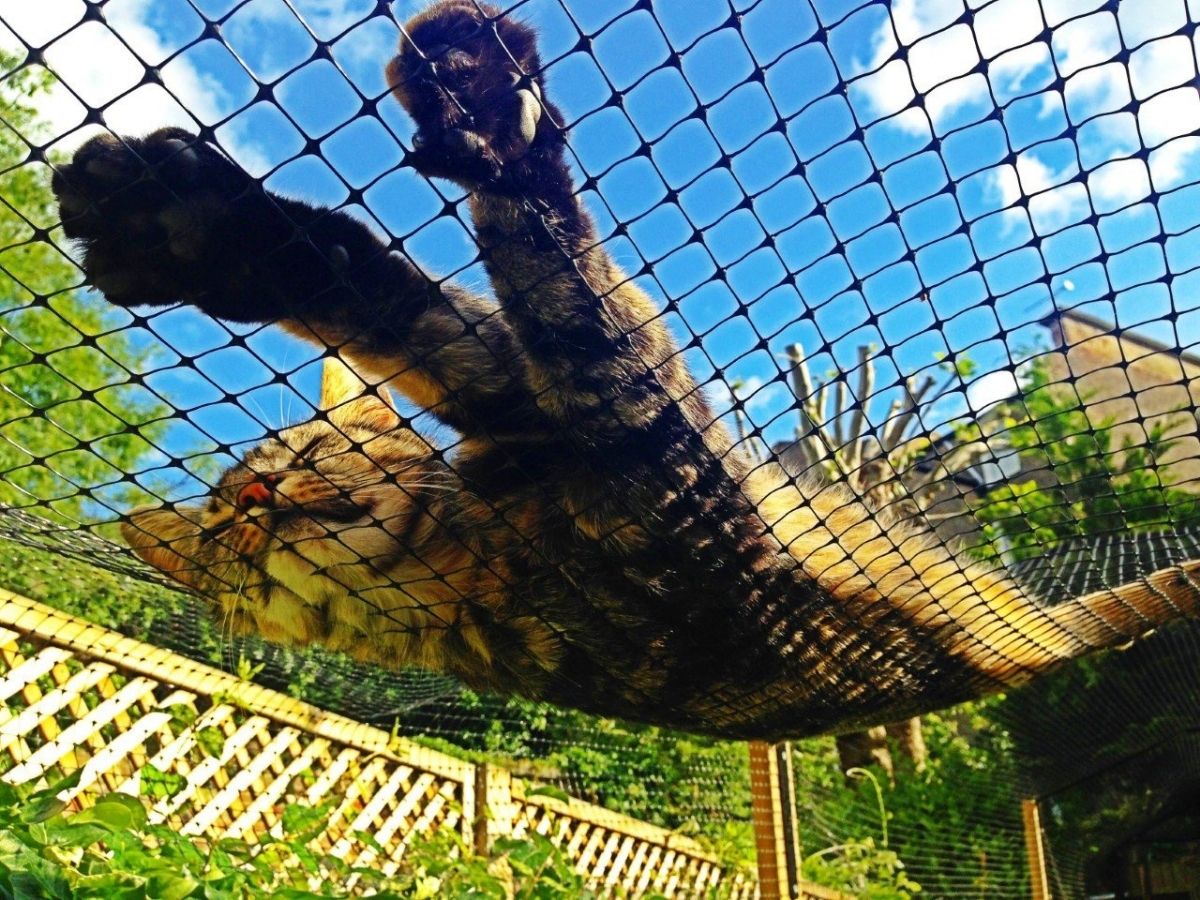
{"points": [[615, 853], [76, 697]]}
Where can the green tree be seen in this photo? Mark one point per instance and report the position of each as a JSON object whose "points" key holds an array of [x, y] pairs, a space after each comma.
{"points": [[71, 419], [1097, 487]]}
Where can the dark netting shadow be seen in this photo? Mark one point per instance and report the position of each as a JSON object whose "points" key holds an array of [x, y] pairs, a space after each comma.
{"points": [[750, 370]]}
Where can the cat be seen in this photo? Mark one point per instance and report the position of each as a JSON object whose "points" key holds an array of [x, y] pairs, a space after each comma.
{"points": [[595, 539]]}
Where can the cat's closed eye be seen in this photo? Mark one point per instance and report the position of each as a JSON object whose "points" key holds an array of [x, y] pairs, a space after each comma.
{"points": [[303, 456]]}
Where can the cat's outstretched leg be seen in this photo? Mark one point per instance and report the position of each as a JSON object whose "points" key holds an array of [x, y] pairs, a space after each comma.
{"points": [[600, 360], [168, 218]]}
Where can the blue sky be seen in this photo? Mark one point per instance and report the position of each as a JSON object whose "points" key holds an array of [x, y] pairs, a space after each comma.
{"points": [[920, 176]]}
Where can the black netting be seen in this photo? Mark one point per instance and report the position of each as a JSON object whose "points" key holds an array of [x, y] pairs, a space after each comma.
{"points": [[646, 327]]}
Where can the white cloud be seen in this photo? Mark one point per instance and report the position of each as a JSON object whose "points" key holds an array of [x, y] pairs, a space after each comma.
{"points": [[1058, 207], [325, 18], [1160, 65], [1007, 24], [1169, 115], [1001, 184], [1087, 41], [1118, 184], [946, 100], [1084, 44], [91, 60], [913, 19], [1036, 176], [1175, 163], [887, 90], [1053, 199], [38, 23], [1097, 90], [94, 63], [1145, 19], [1010, 74], [1005, 30], [942, 56], [991, 389], [1058, 11]]}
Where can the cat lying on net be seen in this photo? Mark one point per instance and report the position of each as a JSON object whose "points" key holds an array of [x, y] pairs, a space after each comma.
{"points": [[595, 539]]}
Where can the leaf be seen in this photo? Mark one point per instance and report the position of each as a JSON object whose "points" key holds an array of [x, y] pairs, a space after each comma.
{"points": [[168, 886], [247, 671], [159, 784], [115, 885], [182, 714], [45, 804], [117, 812], [547, 790], [211, 740], [302, 823], [41, 807], [71, 834]]}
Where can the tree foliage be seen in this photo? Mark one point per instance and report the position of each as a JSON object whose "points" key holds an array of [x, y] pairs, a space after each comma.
{"points": [[1080, 482], [72, 424]]}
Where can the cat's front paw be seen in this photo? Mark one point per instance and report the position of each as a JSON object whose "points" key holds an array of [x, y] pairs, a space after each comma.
{"points": [[471, 79], [148, 213]]}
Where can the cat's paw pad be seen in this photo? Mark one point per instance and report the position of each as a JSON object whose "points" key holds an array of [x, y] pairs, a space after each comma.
{"points": [[144, 210], [470, 79]]}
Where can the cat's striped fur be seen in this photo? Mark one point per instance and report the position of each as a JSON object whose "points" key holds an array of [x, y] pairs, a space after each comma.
{"points": [[595, 539]]}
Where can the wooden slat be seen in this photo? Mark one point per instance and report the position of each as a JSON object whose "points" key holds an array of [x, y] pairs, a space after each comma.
{"points": [[49, 754], [106, 760], [20, 723], [245, 777], [1035, 849], [607, 819], [203, 772], [31, 669], [171, 757], [617, 869], [373, 808], [273, 792], [652, 858]]}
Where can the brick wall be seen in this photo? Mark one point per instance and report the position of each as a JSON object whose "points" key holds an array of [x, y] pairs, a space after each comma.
{"points": [[1133, 382]]}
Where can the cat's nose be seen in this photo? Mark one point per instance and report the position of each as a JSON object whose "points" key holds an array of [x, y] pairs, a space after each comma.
{"points": [[258, 493]]}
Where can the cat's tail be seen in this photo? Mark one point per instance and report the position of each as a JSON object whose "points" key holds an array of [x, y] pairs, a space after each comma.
{"points": [[1116, 616], [970, 608], [987, 619], [1010, 638]]}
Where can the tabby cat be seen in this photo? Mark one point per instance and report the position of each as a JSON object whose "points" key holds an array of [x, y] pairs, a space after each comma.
{"points": [[594, 539]]}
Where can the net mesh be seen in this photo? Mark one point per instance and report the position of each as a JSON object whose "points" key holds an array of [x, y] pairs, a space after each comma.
{"points": [[943, 254]]}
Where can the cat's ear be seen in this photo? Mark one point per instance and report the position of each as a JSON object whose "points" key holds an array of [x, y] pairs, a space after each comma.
{"points": [[346, 398], [167, 540]]}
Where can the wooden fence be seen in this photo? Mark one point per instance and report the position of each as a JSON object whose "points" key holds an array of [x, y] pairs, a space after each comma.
{"points": [[76, 696]]}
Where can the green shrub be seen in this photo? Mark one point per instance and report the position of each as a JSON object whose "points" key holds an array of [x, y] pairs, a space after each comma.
{"points": [[111, 851]]}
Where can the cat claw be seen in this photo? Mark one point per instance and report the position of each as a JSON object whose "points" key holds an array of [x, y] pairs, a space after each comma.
{"points": [[72, 205], [529, 106], [184, 156], [186, 237], [111, 169], [339, 258]]}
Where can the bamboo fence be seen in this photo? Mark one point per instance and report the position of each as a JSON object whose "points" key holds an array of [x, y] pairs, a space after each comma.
{"points": [[76, 696]]}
